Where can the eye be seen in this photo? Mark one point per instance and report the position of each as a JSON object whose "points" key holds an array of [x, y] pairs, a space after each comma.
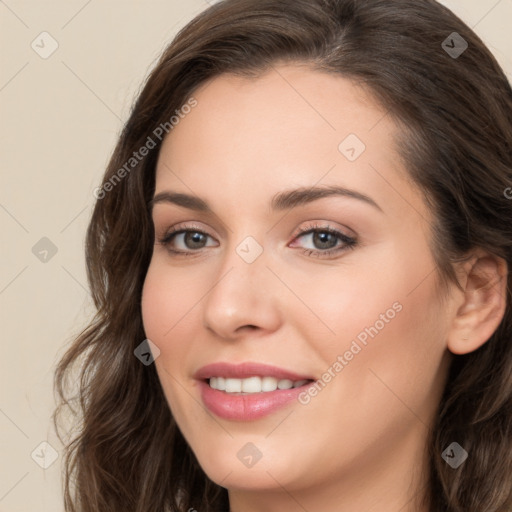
{"points": [[190, 239], [326, 241]]}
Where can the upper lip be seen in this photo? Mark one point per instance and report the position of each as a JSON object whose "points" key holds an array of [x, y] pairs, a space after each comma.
{"points": [[245, 370]]}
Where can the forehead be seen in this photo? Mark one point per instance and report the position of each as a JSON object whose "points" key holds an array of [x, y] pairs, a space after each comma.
{"points": [[289, 103], [290, 126]]}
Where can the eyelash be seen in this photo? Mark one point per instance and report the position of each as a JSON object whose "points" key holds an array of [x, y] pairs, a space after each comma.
{"points": [[349, 242]]}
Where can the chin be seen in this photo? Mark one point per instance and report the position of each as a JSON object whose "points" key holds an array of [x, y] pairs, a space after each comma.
{"points": [[242, 464]]}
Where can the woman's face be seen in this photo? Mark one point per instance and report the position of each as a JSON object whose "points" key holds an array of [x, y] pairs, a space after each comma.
{"points": [[356, 309]]}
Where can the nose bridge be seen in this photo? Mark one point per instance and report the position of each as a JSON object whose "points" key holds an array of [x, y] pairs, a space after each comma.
{"points": [[241, 294]]}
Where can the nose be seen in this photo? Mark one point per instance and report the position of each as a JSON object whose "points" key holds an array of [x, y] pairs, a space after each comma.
{"points": [[243, 297]]}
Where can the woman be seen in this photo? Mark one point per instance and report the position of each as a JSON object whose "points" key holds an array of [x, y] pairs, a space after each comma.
{"points": [[300, 257]]}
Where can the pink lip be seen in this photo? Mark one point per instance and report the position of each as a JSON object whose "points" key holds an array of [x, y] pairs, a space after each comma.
{"points": [[245, 370], [239, 407]]}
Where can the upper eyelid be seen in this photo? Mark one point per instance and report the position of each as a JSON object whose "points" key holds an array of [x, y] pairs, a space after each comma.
{"points": [[315, 225], [300, 232]]}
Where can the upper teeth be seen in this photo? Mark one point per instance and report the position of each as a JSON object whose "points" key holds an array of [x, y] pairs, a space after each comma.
{"points": [[253, 384]]}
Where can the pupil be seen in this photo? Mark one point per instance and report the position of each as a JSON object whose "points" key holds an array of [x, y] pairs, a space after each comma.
{"points": [[195, 240], [322, 238]]}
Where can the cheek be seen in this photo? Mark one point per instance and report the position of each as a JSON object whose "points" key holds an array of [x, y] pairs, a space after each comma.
{"points": [[390, 328], [372, 294], [167, 306], [394, 355], [154, 304], [167, 303]]}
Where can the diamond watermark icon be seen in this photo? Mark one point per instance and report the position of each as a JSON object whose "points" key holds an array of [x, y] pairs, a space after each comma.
{"points": [[44, 455], [455, 455], [44, 45], [249, 455], [147, 352], [249, 249], [351, 147], [454, 45], [44, 250]]}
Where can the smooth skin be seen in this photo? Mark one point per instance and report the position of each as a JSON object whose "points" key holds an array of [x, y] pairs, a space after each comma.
{"points": [[358, 444]]}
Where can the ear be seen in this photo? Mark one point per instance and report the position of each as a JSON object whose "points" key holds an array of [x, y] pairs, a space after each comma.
{"points": [[483, 303]]}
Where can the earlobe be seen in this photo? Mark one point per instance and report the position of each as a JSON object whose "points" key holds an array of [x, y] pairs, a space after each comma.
{"points": [[483, 304]]}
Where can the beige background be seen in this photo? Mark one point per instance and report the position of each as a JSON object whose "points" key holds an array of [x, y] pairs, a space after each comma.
{"points": [[59, 120]]}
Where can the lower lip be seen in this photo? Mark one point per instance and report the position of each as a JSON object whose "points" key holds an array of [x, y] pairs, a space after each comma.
{"points": [[246, 407]]}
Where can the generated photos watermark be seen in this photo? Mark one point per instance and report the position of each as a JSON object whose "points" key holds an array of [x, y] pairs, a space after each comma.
{"points": [[158, 133]]}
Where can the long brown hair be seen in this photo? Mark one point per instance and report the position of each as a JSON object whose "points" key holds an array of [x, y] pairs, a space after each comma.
{"points": [[456, 117]]}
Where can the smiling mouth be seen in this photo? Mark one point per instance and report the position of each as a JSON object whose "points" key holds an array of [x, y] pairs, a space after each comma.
{"points": [[252, 385]]}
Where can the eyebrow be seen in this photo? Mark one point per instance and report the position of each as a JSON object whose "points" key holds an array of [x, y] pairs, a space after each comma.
{"points": [[281, 201]]}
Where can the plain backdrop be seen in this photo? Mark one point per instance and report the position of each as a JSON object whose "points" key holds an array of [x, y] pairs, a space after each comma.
{"points": [[60, 114]]}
